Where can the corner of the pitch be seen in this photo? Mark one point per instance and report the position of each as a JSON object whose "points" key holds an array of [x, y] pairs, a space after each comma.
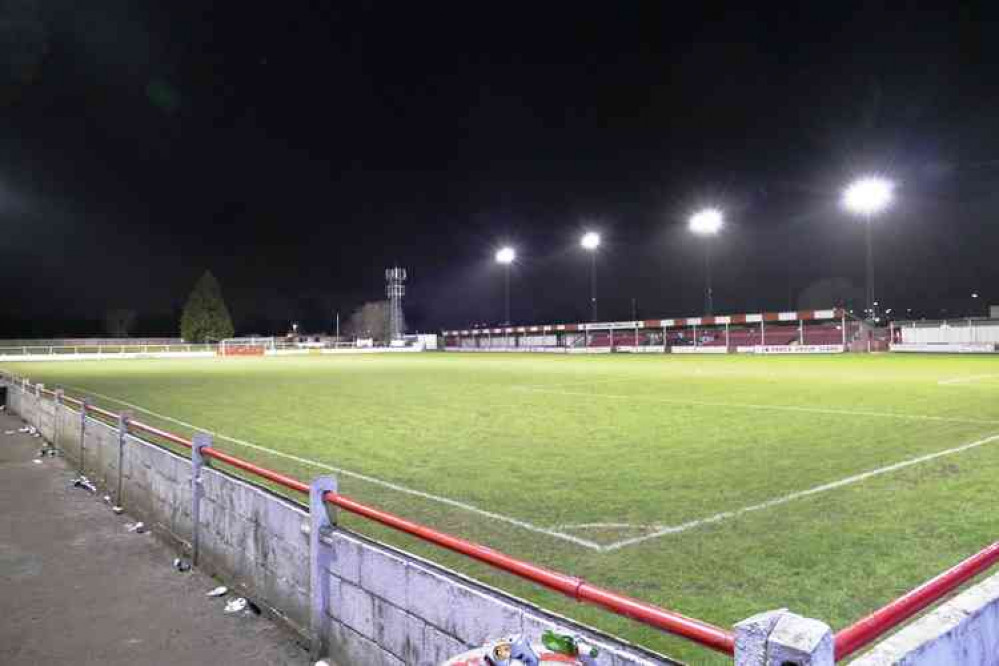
{"points": [[780, 638]]}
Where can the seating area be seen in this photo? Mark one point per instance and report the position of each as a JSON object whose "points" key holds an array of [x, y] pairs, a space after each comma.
{"points": [[742, 335]]}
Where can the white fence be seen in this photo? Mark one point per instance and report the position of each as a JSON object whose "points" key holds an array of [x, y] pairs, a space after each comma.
{"points": [[944, 348], [100, 352], [123, 352], [958, 331]]}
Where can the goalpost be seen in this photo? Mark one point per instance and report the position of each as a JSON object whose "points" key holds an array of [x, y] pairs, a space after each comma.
{"points": [[245, 346]]}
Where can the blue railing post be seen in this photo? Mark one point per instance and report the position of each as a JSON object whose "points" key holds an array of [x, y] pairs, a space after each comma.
{"points": [[323, 519], [123, 419], [83, 432], [200, 441]]}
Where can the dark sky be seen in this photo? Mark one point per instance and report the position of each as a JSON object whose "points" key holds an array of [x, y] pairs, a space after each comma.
{"points": [[297, 149]]}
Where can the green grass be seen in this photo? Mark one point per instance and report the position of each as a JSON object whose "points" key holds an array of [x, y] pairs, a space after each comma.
{"points": [[632, 442]]}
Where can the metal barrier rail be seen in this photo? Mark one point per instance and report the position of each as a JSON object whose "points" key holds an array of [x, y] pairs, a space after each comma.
{"points": [[700, 632], [867, 630], [71, 350]]}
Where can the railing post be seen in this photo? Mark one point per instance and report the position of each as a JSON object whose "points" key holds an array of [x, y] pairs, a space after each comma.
{"points": [[38, 406], [782, 638], [123, 419], [200, 441], [83, 431], [323, 518], [57, 418]]}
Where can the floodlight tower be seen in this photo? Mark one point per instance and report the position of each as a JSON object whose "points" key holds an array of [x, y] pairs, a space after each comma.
{"points": [[506, 256], [395, 289], [707, 223], [590, 243], [867, 197]]}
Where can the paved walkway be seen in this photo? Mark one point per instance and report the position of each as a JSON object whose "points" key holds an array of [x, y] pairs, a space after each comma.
{"points": [[77, 588]]}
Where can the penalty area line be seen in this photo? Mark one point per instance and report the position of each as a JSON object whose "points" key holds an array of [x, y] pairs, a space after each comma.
{"points": [[777, 501], [523, 524]]}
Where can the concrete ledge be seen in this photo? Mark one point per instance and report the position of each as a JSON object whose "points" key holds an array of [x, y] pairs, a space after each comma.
{"points": [[962, 632]]}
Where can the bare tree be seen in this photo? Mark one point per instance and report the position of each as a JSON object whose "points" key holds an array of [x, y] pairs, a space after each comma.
{"points": [[371, 320], [119, 323]]}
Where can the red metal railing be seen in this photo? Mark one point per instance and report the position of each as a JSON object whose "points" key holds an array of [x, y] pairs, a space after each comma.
{"points": [[697, 631], [880, 622]]}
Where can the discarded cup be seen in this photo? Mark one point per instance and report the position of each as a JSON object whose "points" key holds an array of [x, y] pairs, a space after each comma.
{"points": [[236, 605], [137, 528], [180, 564], [217, 592], [116, 509]]}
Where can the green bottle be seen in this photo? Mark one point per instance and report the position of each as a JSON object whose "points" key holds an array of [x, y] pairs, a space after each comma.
{"points": [[567, 644], [559, 643]]}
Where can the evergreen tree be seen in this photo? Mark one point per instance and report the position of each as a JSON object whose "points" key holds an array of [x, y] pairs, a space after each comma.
{"points": [[205, 317]]}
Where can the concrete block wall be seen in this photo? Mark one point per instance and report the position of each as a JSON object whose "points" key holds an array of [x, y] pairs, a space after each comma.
{"points": [[961, 632], [386, 606]]}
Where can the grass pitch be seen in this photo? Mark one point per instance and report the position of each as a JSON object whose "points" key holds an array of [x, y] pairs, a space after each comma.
{"points": [[715, 486]]}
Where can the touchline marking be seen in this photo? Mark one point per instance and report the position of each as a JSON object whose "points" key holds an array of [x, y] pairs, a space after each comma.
{"points": [[779, 408], [585, 543], [964, 380], [725, 515]]}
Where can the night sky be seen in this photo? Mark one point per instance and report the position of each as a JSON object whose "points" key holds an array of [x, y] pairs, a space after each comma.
{"points": [[298, 149]]}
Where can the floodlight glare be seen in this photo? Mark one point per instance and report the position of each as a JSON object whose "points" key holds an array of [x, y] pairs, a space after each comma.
{"points": [[707, 222], [506, 255], [591, 240], [868, 196]]}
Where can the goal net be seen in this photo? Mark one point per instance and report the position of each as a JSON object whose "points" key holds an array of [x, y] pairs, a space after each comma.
{"points": [[245, 346]]}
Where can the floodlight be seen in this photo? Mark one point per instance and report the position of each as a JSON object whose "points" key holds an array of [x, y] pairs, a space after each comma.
{"points": [[590, 240], [506, 255], [974, 294], [868, 196], [707, 222]]}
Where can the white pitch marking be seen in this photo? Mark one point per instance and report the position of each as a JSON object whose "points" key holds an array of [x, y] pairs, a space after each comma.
{"points": [[724, 515], [964, 380], [361, 477], [585, 526], [779, 408]]}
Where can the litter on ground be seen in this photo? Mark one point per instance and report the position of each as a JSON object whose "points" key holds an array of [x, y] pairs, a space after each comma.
{"points": [[84, 482], [235, 605]]}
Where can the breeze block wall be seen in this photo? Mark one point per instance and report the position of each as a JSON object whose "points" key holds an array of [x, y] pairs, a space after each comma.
{"points": [[961, 632], [386, 606]]}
